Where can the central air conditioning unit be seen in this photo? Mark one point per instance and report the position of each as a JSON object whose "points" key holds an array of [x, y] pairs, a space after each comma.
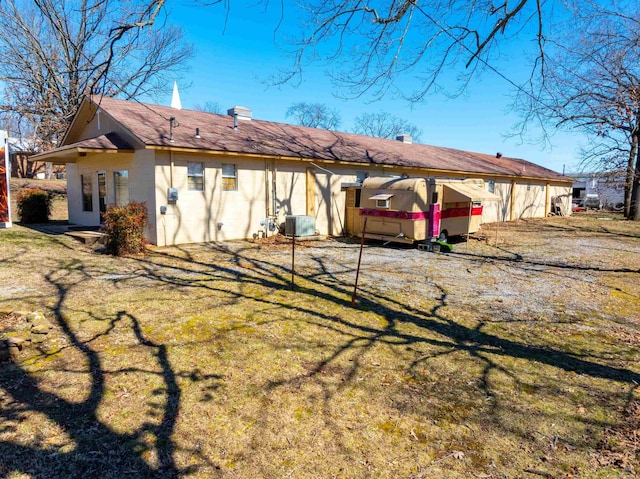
{"points": [[302, 225]]}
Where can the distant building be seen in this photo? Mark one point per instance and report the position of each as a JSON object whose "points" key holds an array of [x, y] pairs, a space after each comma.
{"points": [[20, 151], [607, 186]]}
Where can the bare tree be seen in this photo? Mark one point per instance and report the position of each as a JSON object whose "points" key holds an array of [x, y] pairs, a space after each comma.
{"points": [[592, 84], [208, 107], [52, 53], [315, 115], [385, 125], [369, 46]]}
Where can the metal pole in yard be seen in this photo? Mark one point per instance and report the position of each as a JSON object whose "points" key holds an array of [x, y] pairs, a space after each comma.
{"points": [[293, 256], [355, 286], [466, 247]]}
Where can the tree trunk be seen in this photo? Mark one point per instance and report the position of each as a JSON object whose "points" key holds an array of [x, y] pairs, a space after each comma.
{"points": [[628, 181], [634, 210]]}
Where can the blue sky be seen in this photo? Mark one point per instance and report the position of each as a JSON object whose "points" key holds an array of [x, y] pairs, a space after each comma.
{"points": [[234, 62]]}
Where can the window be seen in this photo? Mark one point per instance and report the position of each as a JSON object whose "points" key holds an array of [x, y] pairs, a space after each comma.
{"points": [[195, 176], [121, 186], [528, 187], [229, 178], [542, 188], [491, 186], [381, 199], [87, 192], [102, 192]]}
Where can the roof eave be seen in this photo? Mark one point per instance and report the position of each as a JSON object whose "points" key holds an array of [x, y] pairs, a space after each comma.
{"points": [[429, 170], [72, 154]]}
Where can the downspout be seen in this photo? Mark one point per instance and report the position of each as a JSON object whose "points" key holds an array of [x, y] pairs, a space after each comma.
{"points": [[512, 206], [171, 120], [274, 198], [266, 197], [170, 168], [546, 201]]}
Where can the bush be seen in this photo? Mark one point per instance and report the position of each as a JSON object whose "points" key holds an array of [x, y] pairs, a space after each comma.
{"points": [[124, 228], [34, 206]]}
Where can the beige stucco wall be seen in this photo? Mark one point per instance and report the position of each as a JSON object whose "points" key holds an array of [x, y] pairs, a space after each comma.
{"points": [[291, 187], [74, 196], [496, 211], [330, 199], [92, 165], [211, 214], [216, 215], [142, 185], [196, 216], [529, 200], [564, 194], [532, 200]]}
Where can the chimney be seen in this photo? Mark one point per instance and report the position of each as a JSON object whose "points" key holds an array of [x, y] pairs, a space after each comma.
{"points": [[404, 138], [241, 112], [498, 155]]}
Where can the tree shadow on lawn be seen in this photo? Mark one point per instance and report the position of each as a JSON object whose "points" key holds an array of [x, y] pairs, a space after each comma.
{"points": [[455, 337], [272, 276], [100, 451]]}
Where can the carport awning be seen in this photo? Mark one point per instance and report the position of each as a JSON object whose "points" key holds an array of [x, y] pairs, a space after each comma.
{"points": [[465, 192], [381, 196]]}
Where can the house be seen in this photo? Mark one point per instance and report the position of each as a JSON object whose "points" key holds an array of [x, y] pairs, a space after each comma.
{"points": [[19, 150], [606, 187], [210, 177]]}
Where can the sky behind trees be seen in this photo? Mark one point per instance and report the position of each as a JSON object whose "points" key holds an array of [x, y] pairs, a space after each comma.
{"points": [[238, 53]]}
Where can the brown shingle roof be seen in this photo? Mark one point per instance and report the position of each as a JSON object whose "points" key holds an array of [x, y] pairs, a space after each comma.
{"points": [[150, 123], [110, 141]]}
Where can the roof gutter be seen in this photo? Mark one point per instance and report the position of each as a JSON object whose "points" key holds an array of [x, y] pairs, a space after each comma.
{"points": [[424, 171]]}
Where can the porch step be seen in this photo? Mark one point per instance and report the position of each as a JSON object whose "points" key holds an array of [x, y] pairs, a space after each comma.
{"points": [[87, 237]]}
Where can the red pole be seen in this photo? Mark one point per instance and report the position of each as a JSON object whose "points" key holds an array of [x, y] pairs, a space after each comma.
{"points": [[355, 287]]}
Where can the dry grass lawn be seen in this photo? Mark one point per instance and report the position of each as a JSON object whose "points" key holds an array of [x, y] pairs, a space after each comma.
{"points": [[515, 356]]}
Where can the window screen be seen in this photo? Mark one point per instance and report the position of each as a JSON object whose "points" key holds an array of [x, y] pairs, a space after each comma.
{"points": [[121, 186], [87, 193], [229, 178], [195, 176]]}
